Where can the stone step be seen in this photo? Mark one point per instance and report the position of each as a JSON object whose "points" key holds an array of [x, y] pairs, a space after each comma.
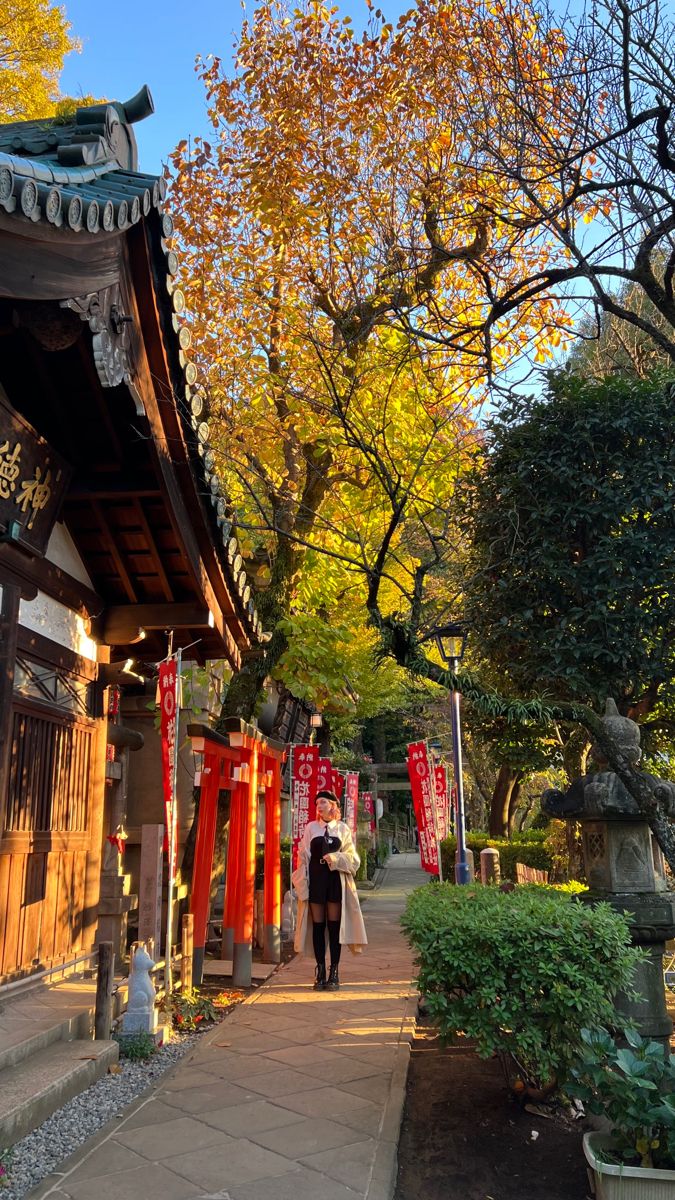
{"points": [[20, 1039], [33, 1089]]}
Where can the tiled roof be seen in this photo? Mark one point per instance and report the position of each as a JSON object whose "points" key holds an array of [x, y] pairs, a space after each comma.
{"points": [[80, 174]]}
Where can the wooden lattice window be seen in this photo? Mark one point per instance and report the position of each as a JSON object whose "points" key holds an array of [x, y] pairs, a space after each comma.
{"points": [[52, 685], [49, 773]]}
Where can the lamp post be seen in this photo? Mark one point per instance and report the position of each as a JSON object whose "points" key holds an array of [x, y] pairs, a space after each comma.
{"points": [[451, 640]]}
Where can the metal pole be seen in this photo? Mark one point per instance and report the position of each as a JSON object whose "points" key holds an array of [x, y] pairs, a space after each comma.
{"points": [[462, 873]]}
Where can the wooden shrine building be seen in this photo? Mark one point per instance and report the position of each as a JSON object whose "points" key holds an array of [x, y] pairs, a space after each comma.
{"points": [[113, 525]]}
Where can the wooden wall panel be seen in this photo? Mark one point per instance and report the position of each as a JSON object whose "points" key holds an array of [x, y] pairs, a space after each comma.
{"points": [[5, 868], [13, 930]]}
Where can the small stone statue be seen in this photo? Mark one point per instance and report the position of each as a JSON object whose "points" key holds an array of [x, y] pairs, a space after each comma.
{"points": [[140, 1012]]}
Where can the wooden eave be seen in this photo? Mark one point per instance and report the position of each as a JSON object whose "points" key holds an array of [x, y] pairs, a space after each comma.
{"points": [[114, 512]]}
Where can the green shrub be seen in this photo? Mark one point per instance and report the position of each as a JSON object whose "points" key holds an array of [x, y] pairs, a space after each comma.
{"points": [[634, 1087], [520, 972], [137, 1047], [529, 849]]}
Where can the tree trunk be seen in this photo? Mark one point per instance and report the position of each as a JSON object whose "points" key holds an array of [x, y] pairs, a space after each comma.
{"points": [[513, 800], [501, 799]]}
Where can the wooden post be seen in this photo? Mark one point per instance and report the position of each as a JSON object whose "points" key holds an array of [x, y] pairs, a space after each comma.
{"points": [[104, 991], [272, 880], [235, 855], [242, 957], [10, 597], [186, 956], [203, 863]]}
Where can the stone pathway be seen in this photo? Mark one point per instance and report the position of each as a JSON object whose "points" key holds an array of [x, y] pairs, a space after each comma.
{"points": [[297, 1095]]}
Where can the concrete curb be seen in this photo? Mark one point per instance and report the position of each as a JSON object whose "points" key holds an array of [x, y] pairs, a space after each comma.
{"points": [[384, 1174]]}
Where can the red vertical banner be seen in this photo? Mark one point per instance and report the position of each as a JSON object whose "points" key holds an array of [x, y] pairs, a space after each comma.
{"points": [[337, 782], [304, 764], [442, 801], [324, 775], [369, 808], [168, 690], [422, 787], [352, 800]]}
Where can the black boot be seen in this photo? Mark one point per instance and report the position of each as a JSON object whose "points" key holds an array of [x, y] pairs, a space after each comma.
{"points": [[333, 984], [320, 981]]}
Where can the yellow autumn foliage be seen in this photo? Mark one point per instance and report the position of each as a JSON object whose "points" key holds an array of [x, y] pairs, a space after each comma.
{"points": [[35, 37]]}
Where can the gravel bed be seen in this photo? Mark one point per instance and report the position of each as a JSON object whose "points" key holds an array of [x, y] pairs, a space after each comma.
{"points": [[41, 1151]]}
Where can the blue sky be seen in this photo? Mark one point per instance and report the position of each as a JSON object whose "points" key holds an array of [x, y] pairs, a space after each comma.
{"points": [[156, 42]]}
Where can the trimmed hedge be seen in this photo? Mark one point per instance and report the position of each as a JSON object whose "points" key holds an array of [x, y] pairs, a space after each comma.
{"points": [[521, 972], [531, 851]]}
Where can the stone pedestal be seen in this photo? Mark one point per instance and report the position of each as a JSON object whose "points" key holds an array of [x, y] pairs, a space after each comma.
{"points": [[652, 924]]}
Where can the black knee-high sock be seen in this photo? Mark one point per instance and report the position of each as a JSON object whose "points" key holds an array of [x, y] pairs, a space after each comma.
{"points": [[334, 940], [319, 943]]}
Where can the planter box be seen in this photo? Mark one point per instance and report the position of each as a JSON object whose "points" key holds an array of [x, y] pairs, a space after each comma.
{"points": [[614, 1182]]}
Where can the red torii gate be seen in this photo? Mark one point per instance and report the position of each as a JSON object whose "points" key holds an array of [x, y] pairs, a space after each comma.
{"points": [[243, 762]]}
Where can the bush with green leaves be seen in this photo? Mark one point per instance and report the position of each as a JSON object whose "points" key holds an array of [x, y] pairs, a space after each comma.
{"points": [[530, 850], [137, 1047], [521, 973], [5, 1164], [634, 1087]]}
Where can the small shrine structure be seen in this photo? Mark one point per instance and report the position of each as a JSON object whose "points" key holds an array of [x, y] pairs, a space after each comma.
{"points": [[114, 524]]}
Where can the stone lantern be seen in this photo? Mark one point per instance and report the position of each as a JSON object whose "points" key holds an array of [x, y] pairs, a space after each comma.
{"points": [[623, 866]]}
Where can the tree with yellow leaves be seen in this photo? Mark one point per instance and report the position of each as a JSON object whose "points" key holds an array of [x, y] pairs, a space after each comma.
{"points": [[35, 37], [336, 237]]}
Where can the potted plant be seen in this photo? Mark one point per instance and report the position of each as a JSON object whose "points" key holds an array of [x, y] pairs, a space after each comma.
{"points": [[633, 1086]]}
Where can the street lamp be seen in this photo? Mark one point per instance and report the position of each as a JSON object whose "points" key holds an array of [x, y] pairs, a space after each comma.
{"points": [[451, 640], [315, 721]]}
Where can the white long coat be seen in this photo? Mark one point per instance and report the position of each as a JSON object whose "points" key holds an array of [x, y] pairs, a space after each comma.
{"points": [[347, 862]]}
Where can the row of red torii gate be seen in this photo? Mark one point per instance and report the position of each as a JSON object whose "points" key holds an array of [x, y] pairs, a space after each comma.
{"points": [[248, 765]]}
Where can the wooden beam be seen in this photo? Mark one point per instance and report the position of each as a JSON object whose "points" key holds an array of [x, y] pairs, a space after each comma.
{"points": [[114, 552], [154, 553], [43, 649], [52, 580], [122, 624]]}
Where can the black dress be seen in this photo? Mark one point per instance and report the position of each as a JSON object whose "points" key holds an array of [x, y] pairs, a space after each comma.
{"points": [[324, 885]]}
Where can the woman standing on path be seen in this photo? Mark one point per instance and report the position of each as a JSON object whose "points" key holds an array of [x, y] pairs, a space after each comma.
{"points": [[327, 896]]}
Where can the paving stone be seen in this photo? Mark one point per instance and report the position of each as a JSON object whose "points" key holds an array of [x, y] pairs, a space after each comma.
{"points": [[352, 1168], [152, 1112], [240, 1161], [212, 1096], [160, 1142], [258, 1043], [303, 1184], [149, 1182], [110, 1157], [305, 1056], [327, 1100], [256, 1117], [309, 1136], [282, 1083], [376, 1088]]}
